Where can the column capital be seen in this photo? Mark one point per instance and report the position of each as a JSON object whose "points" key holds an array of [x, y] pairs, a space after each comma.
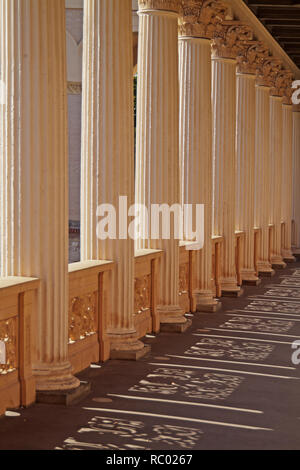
{"points": [[201, 18], [287, 83], [163, 5], [264, 72], [278, 79], [250, 57], [229, 39]]}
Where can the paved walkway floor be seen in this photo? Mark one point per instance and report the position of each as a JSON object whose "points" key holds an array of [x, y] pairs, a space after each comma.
{"points": [[227, 383]]}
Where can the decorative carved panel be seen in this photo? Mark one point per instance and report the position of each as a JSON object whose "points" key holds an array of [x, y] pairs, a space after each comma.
{"points": [[142, 294], [184, 278], [8, 334], [74, 88], [82, 317]]}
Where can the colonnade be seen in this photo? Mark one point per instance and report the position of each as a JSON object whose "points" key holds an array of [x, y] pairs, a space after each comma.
{"points": [[215, 126]]}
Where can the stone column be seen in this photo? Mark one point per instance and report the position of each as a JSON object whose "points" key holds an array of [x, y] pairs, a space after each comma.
{"points": [[33, 172], [276, 100], [248, 60], [263, 166], [157, 167], [195, 130], [226, 47], [107, 158], [287, 168], [296, 178]]}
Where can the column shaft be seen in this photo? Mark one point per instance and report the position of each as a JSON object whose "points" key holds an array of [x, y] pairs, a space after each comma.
{"points": [[33, 171], [224, 154], [157, 167], [196, 151], [287, 180], [246, 171], [107, 153], [263, 168], [296, 178], [276, 186]]}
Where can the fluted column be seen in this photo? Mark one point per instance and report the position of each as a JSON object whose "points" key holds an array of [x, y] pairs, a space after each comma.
{"points": [[107, 155], [287, 168], [263, 167], [248, 60], [226, 47], [157, 167], [33, 172], [276, 100], [296, 178], [195, 131]]}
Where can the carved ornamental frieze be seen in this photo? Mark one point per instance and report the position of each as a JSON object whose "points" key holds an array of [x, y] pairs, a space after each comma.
{"points": [[228, 40], [82, 317], [250, 57], [74, 88], [142, 294], [165, 5], [201, 18], [184, 278], [8, 334]]}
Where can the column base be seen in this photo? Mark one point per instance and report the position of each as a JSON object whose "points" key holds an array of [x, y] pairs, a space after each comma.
{"points": [[55, 378], [126, 346], [277, 262], [175, 327], [205, 302], [288, 256], [230, 288], [64, 397], [130, 355], [264, 269], [172, 319], [249, 278]]}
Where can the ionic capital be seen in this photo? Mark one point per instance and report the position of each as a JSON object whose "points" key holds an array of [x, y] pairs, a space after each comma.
{"points": [[201, 18], [164, 5], [229, 39], [250, 57]]}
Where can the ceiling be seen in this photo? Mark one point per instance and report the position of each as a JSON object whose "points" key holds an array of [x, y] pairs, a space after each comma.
{"points": [[282, 19]]}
